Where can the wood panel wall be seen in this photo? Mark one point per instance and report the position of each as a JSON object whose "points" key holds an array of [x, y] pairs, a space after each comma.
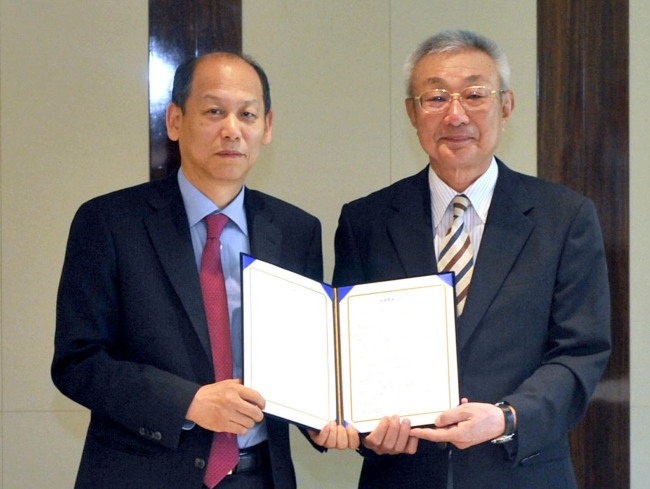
{"points": [[583, 142], [180, 29]]}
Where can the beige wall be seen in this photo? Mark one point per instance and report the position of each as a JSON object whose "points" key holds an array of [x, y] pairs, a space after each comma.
{"points": [[639, 243], [74, 124]]}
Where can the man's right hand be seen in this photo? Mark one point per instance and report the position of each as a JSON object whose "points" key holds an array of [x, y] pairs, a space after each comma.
{"points": [[226, 406], [391, 437]]}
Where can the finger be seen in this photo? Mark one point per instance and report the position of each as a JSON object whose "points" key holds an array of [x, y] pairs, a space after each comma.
{"points": [[341, 438], [250, 402], [242, 420], [331, 438], [374, 439], [392, 433], [248, 410], [231, 392], [448, 418], [412, 445], [241, 407], [258, 417], [353, 437], [252, 396], [403, 435], [430, 434], [321, 437], [314, 436], [235, 428], [327, 436]]}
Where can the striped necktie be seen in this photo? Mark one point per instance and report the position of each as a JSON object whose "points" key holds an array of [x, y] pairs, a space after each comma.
{"points": [[457, 254], [224, 453]]}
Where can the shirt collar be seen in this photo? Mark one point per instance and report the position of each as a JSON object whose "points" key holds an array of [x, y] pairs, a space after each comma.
{"points": [[479, 193], [198, 205]]}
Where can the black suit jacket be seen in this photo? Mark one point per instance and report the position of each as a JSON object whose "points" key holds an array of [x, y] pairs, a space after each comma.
{"points": [[132, 340], [534, 332]]}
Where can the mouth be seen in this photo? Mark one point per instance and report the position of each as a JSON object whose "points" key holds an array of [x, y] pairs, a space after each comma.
{"points": [[456, 139], [228, 153]]}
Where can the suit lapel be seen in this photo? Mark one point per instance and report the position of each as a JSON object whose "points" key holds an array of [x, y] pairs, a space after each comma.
{"points": [[169, 232], [264, 235], [410, 227], [170, 235], [506, 231]]}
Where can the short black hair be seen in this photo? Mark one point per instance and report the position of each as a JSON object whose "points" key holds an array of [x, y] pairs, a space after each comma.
{"points": [[185, 74]]}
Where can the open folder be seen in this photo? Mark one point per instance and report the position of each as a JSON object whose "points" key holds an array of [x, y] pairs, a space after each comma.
{"points": [[349, 354]]}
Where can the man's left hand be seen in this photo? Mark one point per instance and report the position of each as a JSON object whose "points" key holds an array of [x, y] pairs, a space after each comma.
{"points": [[336, 436]]}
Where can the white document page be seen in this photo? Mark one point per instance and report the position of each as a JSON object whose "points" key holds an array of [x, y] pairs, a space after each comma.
{"points": [[289, 344], [398, 351]]}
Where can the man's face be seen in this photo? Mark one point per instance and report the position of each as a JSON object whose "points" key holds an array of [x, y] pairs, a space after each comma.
{"points": [[223, 125], [460, 143]]}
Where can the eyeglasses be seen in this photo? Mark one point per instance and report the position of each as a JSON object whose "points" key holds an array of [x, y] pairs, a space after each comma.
{"points": [[471, 98]]}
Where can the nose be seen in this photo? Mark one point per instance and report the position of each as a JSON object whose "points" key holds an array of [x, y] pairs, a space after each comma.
{"points": [[456, 113], [230, 127]]}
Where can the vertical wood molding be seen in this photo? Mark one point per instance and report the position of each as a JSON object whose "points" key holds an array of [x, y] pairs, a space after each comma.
{"points": [[179, 29], [583, 142]]}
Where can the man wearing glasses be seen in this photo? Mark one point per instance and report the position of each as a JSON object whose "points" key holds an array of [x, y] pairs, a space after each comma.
{"points": [[531, 282]]}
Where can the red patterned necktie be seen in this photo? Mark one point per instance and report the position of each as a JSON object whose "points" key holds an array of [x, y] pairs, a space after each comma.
{"points": [[457, 254], [224, 453]]}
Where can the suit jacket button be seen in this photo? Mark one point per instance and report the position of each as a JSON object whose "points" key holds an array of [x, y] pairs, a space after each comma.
{"points": [[199, 463], [142, 431], [156, 436]]}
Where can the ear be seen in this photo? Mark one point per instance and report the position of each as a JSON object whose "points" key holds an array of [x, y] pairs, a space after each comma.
{"points": [[507, 106], [268, 128], [410, 110], [174, 121]]}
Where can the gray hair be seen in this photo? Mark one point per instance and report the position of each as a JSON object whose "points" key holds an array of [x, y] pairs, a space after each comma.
{"points": [[457, 41]]}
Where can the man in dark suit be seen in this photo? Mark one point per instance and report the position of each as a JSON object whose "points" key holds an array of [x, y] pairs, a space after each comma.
{"points": [[533, 336], [132, 341]]}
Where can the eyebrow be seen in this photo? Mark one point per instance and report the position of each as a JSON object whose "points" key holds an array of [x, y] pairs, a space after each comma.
{"points": [[434, 80], [216, 98]]}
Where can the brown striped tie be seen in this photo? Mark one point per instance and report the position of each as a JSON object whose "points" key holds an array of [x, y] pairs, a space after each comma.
{"points": [[457, 254]]}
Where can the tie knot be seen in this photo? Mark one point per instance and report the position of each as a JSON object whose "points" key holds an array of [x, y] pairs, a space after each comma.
{"points": [[216, 223], [461, 203]]}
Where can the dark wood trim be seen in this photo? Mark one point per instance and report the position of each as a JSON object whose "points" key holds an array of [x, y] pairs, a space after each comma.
{"points": [[583, 142], [179, 29]]}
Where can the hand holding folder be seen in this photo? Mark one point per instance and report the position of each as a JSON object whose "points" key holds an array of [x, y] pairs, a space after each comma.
{"points": [[336, 436]]}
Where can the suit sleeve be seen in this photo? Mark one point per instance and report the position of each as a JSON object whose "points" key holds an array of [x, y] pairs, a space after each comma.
{"points": [[96, 361], [555, 397]]}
